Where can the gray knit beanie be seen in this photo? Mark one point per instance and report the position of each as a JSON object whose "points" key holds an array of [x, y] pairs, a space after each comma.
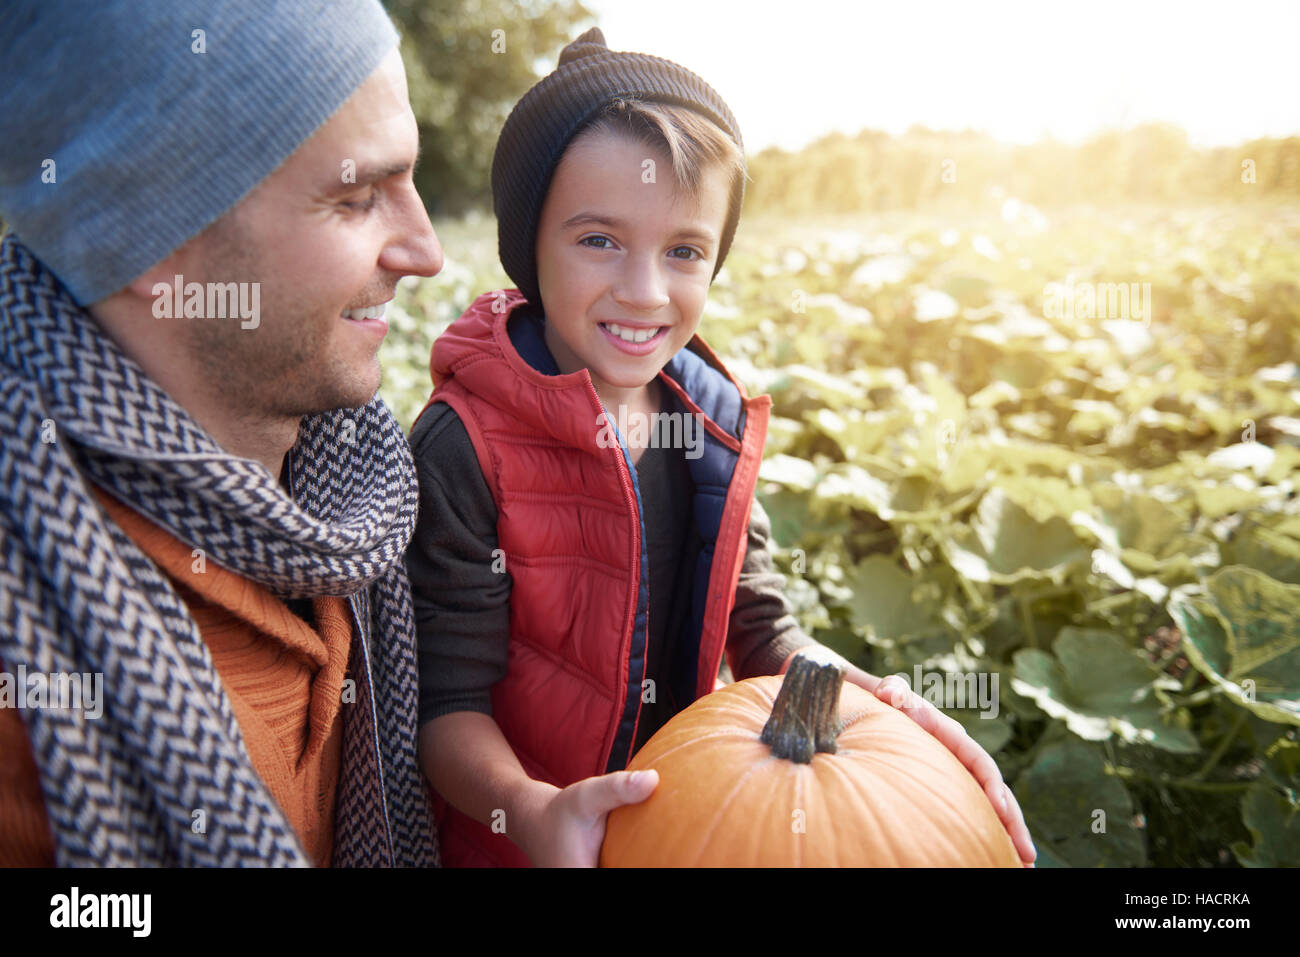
{"points": [[129, 126]]}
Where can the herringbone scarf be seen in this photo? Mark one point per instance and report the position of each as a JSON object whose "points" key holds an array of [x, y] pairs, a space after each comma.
{"points": [[163, 776]]}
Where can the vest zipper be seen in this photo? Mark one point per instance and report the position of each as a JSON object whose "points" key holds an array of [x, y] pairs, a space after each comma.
{"points": [[629, 494]]}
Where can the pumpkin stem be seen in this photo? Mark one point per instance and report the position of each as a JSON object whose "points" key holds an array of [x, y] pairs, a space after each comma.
{"points": [[806, 716]]}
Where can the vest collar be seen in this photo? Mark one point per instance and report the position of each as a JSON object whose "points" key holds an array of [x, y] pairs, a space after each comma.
{"points": [[527, 331]]}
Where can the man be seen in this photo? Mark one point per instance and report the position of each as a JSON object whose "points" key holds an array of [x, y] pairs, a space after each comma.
{"points": [[203, 505]]}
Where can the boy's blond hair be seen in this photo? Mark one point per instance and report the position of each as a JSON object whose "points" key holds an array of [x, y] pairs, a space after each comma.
{"points": [[692, 142]]}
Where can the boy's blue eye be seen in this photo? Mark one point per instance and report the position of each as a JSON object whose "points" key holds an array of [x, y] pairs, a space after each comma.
{"points": [[691, 253]]}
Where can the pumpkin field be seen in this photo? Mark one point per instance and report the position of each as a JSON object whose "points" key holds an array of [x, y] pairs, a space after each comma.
{"points": [[1048, 454]]}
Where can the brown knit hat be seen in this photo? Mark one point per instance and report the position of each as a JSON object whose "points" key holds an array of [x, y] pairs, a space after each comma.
{"points": [[547, 118]]}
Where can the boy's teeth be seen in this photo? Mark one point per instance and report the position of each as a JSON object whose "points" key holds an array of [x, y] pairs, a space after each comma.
{"points": [[631, 335], [371, 312]]}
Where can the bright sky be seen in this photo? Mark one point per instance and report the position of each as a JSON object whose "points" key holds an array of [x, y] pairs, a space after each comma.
{"points": [[793, 70]]}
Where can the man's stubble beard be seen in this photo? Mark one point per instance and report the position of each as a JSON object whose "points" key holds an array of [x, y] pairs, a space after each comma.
{"points": [[282, 368]]}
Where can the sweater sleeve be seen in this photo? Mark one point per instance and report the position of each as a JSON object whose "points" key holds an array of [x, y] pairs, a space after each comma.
{"points": [[762, 631], [462, 605], [25, 839]]}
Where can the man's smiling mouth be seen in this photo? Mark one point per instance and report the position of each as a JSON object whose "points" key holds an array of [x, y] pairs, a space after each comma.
{"points": [[368, 312]]}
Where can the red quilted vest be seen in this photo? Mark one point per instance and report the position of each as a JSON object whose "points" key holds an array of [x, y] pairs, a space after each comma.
{"points": [[571, 534]]}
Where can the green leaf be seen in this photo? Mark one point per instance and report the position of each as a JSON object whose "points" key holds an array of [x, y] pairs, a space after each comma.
{"points": [[1274, 824], [1255, 456], [1240, 631], [794, 521], [990, 733], [1220, 499], [1004, 544], [1270, 552], [1289, 526], [782, 434], [793, 473], [855, 487], [856, 432], [888, 602], [1282, 763], [1151, 535], [1046, 497], [1078, 815], [847, 642], [805, 603], [1024, 369], [1099, 687], [830, 389], [970, 465], [994, 394], [969, 290], [1091, 415]]}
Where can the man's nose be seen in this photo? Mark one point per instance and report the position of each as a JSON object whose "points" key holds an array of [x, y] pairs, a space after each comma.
{"points": [[414, 249]]}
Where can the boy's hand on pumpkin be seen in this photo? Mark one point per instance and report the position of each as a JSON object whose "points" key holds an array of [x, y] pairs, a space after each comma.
{"points": [[895, 692], [567, 828]]}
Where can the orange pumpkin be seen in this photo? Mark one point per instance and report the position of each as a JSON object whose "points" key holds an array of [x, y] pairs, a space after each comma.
{"points": [[803, 771]]}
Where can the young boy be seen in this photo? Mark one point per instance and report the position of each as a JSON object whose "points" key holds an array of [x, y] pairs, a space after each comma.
{"points": [[588, 544]]}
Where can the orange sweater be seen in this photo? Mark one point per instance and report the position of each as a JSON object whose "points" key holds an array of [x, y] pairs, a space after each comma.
{"points": [[284, 680]]}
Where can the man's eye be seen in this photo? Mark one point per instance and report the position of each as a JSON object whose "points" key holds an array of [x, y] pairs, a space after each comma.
{"points": [[364, 204]]}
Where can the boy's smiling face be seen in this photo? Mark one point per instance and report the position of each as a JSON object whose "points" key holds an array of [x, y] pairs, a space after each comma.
{"points": [[621, 259]]}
